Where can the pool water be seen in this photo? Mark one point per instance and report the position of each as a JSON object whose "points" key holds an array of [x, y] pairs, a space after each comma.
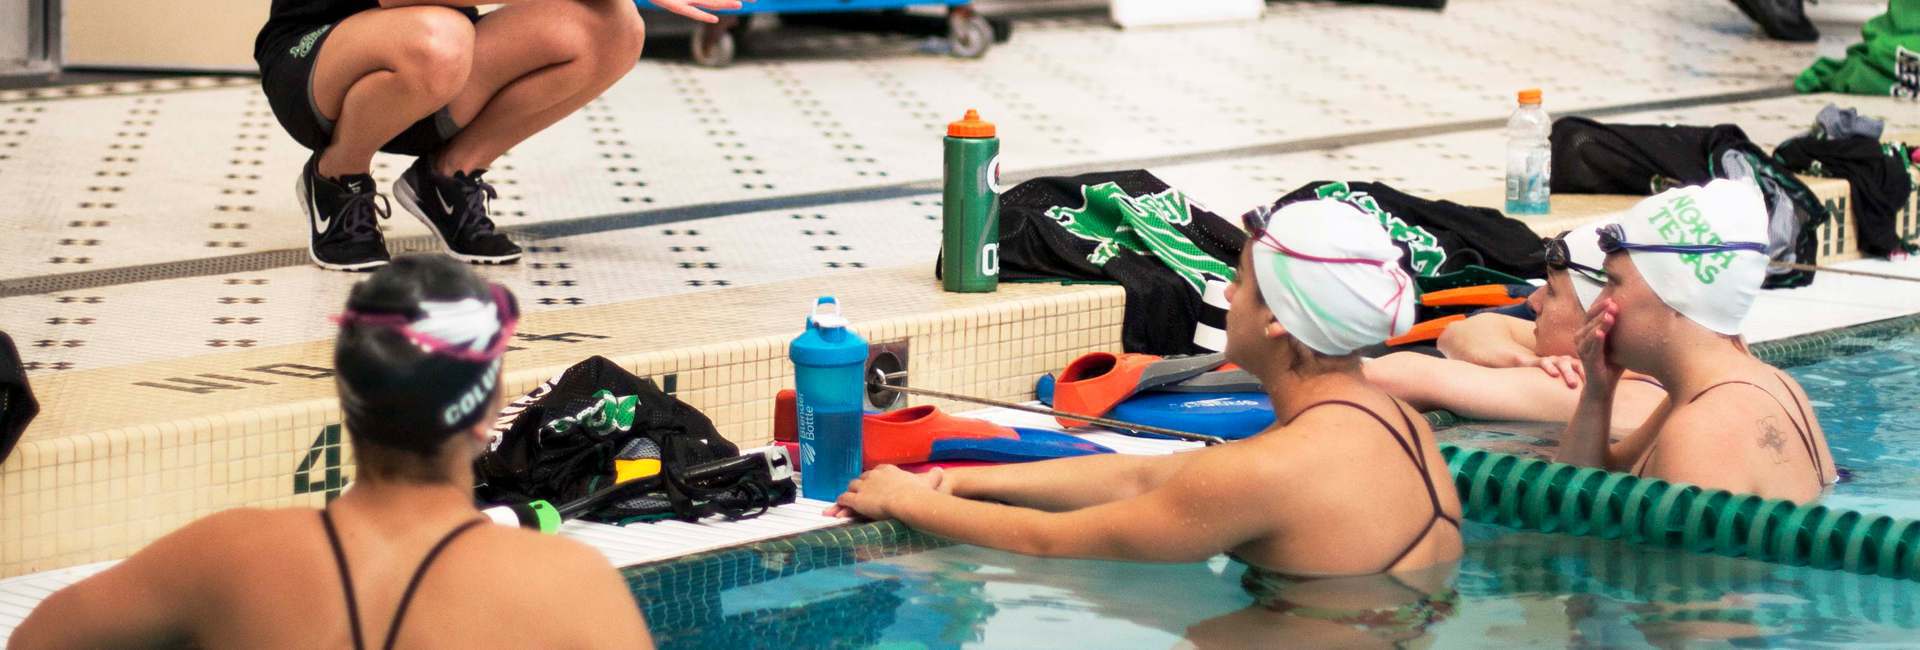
{"points": [[885, 586], [1866, 391], [1868, 398], [1517, 589]]}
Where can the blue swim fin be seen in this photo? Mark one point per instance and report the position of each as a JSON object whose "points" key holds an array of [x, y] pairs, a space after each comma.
{"points": [[1032, 445]]}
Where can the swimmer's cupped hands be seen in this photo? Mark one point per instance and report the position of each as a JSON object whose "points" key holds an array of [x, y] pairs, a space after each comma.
{"points": [[694, 8], [1592, 343], [874, 494]]}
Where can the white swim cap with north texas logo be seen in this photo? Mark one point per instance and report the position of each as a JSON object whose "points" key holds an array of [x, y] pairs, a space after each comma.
{"points": [[1716, 289]]}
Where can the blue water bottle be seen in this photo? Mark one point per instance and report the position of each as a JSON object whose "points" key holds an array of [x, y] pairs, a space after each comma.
{"points": [[829, 377]]}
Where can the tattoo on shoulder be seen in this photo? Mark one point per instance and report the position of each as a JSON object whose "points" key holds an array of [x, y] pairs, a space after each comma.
{"points": [[1772, 438]]}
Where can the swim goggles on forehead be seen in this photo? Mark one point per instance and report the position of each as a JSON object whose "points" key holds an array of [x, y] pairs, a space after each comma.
{"points": [[506, 313], [1256, 225], [1560, 259], [1613, 239]]}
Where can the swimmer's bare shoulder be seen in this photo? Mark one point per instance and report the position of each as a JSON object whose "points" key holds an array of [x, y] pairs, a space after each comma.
{"points": [[1329, 441], [563, 592], [248, 576], [160, 595], [1709, 442]]}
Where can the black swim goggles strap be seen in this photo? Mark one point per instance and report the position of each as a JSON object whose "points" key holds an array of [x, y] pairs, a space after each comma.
{"points": [[1255, 221], [1613, 239], [1560, 259]]}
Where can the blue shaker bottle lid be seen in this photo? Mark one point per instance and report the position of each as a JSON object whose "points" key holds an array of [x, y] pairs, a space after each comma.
{"points": [[827, 341]]}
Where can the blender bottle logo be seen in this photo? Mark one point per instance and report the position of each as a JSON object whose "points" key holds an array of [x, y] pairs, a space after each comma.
{"points": [[806, 432]]}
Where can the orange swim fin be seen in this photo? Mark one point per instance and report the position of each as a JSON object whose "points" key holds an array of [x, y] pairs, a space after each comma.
{"points": [[1425, 331], [907, 435], [1095, 383], [1485, 295]]}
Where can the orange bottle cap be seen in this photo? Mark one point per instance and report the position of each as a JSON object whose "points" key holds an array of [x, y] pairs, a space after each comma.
{"points": [[971, 126], [1530, 96]]}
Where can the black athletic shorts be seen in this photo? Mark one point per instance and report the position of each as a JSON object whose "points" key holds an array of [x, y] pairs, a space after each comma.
{"points": [[286, 74]]}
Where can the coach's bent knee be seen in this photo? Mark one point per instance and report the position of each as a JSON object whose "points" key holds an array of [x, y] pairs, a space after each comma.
{"points": [[435, 50], [619, 34]]}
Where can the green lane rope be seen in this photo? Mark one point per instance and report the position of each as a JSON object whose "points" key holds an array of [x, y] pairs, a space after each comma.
{"points": [[1543, 496], [1528, 564]]}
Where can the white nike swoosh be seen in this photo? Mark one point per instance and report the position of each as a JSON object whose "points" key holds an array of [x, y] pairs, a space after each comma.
{"points": [[444, 206], [313, 211]]}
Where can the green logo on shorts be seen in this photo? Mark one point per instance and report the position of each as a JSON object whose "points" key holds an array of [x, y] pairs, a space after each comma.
{"points": [[305, 46]]}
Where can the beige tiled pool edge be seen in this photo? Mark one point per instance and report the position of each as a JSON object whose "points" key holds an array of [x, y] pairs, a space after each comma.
{"points": [[71, 494]]}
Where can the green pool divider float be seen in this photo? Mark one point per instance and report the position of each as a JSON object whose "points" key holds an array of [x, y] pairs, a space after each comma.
{"points": [[1544, 496], [1686, 586]]}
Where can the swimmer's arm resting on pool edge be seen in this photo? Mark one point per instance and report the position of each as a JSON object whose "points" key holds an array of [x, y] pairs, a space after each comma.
{"points": [[1491, 340], [1215, 502], [1067, 483]]}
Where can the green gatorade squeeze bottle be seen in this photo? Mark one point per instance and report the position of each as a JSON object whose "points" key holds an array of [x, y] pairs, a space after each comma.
{"points": [[970, 228]]}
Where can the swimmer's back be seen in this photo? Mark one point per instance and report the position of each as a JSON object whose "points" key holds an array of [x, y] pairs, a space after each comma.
{"points": [[268, 578], [1755, 432], [1355, 500]]}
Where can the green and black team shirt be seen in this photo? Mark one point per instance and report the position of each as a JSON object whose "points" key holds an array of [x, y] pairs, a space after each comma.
{"points": [[291, 18]]}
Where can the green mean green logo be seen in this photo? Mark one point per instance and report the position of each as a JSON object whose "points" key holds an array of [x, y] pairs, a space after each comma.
{"points": [[305, 46], [1423, 249], [1143, 225]]}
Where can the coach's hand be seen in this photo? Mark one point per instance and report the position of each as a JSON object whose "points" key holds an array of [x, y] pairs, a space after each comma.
{"points": [[693, 8]]}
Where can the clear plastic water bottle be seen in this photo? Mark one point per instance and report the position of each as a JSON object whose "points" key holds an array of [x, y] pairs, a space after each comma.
{"points": [[1529, 156], [829, 377]]}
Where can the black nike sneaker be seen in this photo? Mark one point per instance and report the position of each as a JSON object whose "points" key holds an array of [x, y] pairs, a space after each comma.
{"points": [[343, 220], [455, 209], [1784, 20]]}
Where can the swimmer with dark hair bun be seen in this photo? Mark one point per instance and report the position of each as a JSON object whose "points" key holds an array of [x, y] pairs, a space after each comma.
{"points": [[401, 557]]}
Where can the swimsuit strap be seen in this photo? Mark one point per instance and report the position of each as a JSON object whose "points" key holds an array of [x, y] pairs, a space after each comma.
{"points": [[1648, 380], [346, 578], [1709, 389], [1805, 433], [1416, 453], [400, 613], [1420, 456], [1647, 460]]}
